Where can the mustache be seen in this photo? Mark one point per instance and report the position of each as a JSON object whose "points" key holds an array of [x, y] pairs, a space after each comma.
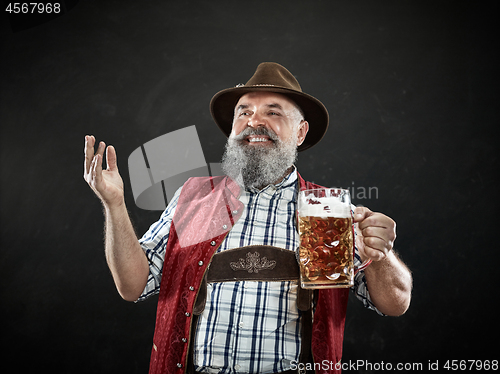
{"points": [[258, 131]]}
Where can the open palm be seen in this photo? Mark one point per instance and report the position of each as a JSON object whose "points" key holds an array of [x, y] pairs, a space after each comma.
{"points": [[107, 184]]}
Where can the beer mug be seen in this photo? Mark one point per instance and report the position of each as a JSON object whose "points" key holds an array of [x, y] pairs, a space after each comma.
{"points": [[326, 251]]}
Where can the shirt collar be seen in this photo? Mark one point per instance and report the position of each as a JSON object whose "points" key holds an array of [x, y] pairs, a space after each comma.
{"points": [[288, 181]]}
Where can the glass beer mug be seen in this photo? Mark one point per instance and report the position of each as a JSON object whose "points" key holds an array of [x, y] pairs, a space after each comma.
{"points": [[326, 251]]}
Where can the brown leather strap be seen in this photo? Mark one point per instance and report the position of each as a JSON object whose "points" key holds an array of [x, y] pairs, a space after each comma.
{"points": [[262, 263], [256, 263]]}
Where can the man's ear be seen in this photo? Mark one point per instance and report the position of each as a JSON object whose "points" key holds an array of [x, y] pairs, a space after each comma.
{"points": [[302, 131]]}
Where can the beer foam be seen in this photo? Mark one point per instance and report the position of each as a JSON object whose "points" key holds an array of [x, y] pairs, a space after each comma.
{"points": [[327, 207]]}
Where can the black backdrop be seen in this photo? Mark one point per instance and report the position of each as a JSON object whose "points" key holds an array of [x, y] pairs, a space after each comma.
{"points": [[413, 104]]}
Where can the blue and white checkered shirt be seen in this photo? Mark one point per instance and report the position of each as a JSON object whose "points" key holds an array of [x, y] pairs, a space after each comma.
{"points": [[247, 327]]}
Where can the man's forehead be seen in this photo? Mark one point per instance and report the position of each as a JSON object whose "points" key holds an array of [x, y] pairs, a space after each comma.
{"points": [[266, 98]]}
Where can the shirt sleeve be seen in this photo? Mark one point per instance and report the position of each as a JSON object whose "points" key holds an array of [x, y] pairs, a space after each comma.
{"points": [[154, 243]]}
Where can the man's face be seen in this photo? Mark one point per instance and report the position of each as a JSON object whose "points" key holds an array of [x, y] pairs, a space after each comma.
{"points": [[271, 111], [262, 147]]}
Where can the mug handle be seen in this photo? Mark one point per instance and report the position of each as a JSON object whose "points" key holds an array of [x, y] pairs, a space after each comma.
{"points": [[363, 266]]}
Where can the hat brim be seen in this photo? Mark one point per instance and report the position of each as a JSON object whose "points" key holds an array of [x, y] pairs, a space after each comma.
{"points": [[223, 103]]}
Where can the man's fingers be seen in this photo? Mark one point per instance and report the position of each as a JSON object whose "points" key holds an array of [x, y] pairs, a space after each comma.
{"points": [[376, 220], [374, 254], [88, 151], [361, 213], [96, 178], [379, 232], [376, 243], [111, 158], [92, 162], [101, 148]]}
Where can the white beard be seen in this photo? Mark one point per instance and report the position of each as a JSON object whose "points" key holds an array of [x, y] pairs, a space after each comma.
{"points": [[258, 166]]}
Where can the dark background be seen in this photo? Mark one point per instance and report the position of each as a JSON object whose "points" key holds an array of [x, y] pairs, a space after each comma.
{"points": [[412, 91]]}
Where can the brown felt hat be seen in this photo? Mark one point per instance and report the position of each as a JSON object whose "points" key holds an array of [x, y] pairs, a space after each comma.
{"points": [[272, 77]]}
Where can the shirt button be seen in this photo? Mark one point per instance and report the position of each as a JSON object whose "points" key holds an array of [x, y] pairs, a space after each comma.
{"points": [[241, 324], [237, 367], [179, 365], [191, 288], [224, 227], [200, 263], [187, 314], [235, 212], [212, 243], [184, 340]]}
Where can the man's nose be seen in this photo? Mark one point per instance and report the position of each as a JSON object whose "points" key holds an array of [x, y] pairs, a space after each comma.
{"points": [[256, 121]]}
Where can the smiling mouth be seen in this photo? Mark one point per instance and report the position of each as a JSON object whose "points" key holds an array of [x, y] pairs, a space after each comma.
{"points": [[258, 139]]}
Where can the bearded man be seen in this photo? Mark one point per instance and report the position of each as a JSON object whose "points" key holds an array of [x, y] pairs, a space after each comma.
{"points": [[235, 316]]}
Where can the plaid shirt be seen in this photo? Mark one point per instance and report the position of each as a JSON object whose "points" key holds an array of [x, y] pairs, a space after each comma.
{"points": [[247, 327]]}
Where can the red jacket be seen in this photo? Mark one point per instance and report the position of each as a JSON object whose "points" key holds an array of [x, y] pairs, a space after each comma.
{"points": [[207, 209]]}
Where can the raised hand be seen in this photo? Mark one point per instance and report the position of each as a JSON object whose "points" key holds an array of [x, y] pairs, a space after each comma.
{"points": [[107, 184]]}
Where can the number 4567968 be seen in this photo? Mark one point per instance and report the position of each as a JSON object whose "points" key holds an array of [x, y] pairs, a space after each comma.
{"points": [[33, 8], [471, 365]]}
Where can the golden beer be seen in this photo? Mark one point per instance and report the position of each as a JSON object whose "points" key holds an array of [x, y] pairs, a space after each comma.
{"points": [[325, 252]]}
